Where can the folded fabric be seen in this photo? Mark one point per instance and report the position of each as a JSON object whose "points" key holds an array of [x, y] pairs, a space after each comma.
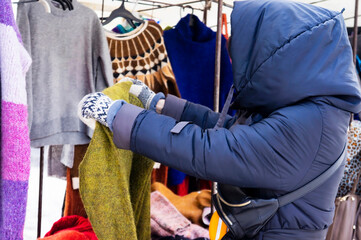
{"points": [[180, 238], [71, 227], [191, 205], [166, 220], [206, 215], [55, 167], [66, 235], [115, 183]]}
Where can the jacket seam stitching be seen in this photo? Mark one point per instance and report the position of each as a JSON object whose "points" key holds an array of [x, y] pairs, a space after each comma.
{"points": [[288, 42], [318, 149], [273, 160], [135, 129]]}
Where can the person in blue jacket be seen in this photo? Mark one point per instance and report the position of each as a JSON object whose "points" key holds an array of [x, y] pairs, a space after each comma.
{"points": [[295, 79]]}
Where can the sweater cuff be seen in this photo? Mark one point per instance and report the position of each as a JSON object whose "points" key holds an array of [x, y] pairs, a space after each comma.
{"points": [[156, 98], [123, 124], [173, 107], [113, 110]]}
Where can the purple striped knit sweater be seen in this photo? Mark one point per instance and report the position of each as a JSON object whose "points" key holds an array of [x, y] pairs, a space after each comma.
{"points": [[15, 144]]}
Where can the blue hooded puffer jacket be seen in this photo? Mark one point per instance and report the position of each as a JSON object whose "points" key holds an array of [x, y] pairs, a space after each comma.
{"points": [[292, 63]]}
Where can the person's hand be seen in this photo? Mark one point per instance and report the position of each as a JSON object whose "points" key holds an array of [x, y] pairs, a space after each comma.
{"points": [[148, 98], [98, 106]]}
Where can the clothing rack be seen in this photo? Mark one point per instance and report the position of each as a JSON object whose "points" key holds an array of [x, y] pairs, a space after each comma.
{"points": [[216, 84], [160, 5], [355, 33]]}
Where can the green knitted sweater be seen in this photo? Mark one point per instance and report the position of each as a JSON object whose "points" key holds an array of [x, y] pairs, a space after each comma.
{"points": [[115, 183]]}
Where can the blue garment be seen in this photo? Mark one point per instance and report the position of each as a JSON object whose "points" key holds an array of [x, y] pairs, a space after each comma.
{"points": [[191, 52], [292, 63]]}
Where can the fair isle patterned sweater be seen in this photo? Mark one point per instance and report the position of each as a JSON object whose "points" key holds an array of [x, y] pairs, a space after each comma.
{"points": [[15, 143], [143, 55]]}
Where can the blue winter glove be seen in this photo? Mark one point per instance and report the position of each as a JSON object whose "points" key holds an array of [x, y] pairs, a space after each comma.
{"points": [[98, 106], [148, 98]]}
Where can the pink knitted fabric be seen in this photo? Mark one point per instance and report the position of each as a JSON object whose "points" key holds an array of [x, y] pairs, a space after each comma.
{"points": [[166, 220], [15, 143]]}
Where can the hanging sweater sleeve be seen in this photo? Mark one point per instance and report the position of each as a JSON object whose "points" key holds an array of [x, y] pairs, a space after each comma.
{"points": [[101, 58], [22, 21]]}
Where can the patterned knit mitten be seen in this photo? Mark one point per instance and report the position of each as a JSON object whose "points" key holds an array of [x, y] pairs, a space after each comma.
{"points": [[148, 98], [98, 106]]}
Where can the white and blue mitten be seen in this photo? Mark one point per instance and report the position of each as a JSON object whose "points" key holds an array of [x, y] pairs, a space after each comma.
{"points": [[98, 106], [148, 98]]}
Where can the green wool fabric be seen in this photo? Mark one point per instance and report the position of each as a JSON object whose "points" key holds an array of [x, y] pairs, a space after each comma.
{"points": [[115, 183]]}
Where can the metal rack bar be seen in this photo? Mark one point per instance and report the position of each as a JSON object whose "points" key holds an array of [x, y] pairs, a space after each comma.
{"points": [[318, 1], [216, 83], [205, 12], [217, 74], [222, 3], [217, 69], [355, 33], [40, 202], [167, 5]]}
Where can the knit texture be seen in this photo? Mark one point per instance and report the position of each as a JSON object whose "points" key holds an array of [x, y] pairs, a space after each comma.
{"points": [[71, 228], [71, 59], [191, 51], [55, 167], [190, 206], [73, 204], [14, 143], [115, 183], [166, 220], [95, 106], [144, 56]]}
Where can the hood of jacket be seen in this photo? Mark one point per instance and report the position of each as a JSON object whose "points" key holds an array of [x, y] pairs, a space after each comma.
{"points": [[284, 52]]}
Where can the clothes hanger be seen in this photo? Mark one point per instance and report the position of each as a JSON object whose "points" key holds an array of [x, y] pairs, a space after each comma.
{"points": [[69, 4], [65, 4], [191, 20], [61, 4], [124, 13], [127, 35]]}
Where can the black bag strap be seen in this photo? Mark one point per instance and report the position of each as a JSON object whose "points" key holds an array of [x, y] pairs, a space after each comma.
{"points": [[316, 182], [225, 108], [310, 186]]}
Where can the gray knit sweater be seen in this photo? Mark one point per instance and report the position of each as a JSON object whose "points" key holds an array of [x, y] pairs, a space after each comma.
{"points": [[70, 59]]}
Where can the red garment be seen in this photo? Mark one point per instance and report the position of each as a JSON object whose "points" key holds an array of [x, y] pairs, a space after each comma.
{"points": [[182, 188], [70, 228], [224, 26], [66, 235]]}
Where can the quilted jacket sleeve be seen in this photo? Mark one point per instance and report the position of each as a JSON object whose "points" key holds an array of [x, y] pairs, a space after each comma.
{"points": [[182, 110], [274, 153]]}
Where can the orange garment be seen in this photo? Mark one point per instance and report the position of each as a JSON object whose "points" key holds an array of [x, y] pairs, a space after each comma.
{"points": [[73, 202], [191, 205], [224, 26]]}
